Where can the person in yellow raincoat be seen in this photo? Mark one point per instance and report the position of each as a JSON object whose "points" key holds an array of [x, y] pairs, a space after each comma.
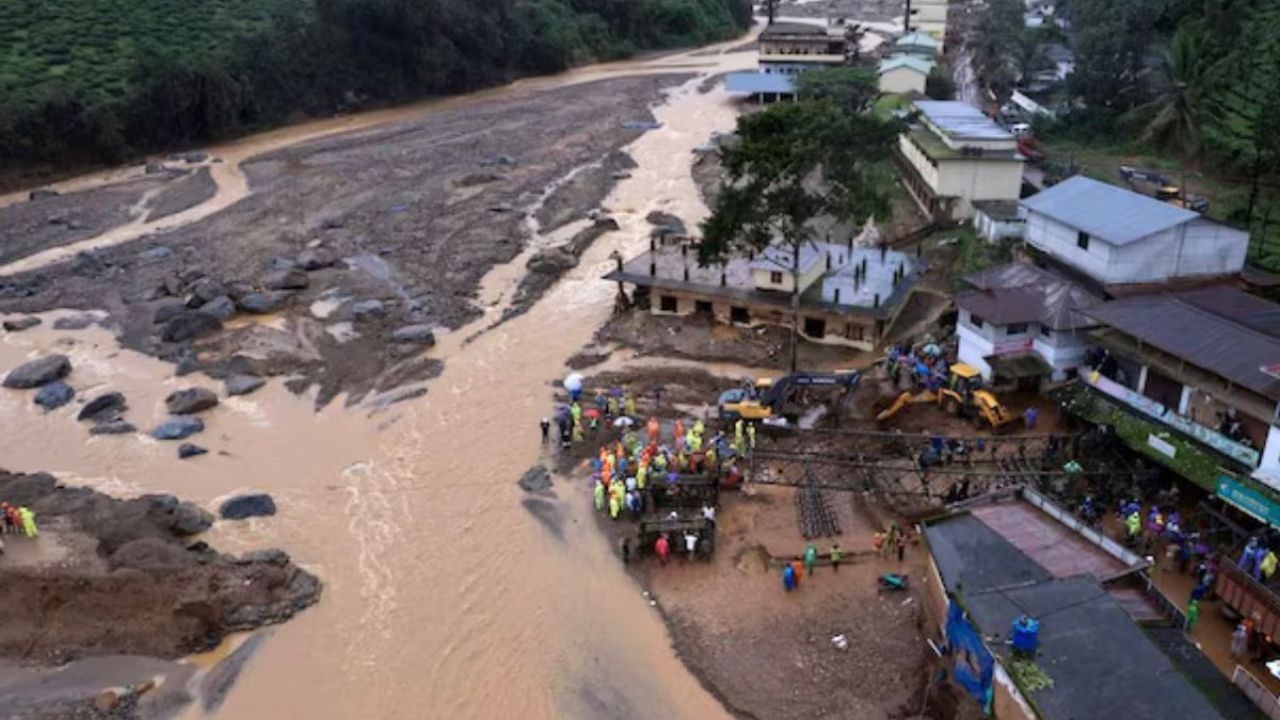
{"points": [[28, 521], [642, 474], [599, 496], [615, 506], [751, 436], [630, 403]]}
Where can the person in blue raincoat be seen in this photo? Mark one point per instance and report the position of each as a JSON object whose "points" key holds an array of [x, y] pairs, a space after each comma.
{"points": [[788, 578]]}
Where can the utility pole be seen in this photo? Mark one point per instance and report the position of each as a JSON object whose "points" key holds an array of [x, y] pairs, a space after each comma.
{"points": [[770, 4], [906, 18]]}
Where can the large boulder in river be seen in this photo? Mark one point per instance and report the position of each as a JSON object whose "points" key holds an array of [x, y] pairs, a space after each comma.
{"points": [[22, 323], [54, 395], [243, 384], [40, 371], [190, 325], [263, 303], [178, 428], [190, 401], [190, 450], [167, 311], [552, 261], [368, 309], [114, 427], [416, 334], [204, 291], [103, 408], [247, 506], [287, 279]]}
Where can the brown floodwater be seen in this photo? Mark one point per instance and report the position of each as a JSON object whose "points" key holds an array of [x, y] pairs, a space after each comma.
{"points": [[445, 597]]}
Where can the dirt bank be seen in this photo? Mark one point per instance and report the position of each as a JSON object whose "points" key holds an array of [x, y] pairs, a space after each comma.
{"points": [[409, 215], [111, 577]]}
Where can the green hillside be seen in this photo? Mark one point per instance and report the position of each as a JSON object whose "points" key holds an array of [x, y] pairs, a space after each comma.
{"points": [[90, 81]]}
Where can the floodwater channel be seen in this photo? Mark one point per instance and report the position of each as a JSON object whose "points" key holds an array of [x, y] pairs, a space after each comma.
{"points": [[445, 596]]}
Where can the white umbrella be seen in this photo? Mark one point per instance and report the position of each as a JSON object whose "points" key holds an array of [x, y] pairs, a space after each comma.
{"points": [[623, 422], [573, 383]]}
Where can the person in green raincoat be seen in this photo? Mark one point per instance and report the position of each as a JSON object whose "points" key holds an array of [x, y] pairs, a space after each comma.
{"points": [[575, 410], [751, 436], [642, 475], [810, 558], [28, 521], [599, 496], [1133, 524], [1193, 614]]}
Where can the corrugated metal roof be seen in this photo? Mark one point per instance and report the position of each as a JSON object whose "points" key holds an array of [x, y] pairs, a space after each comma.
{"points": [[920, 65], [1105, 211], [961, 121], [779, 29], [758, 82], [1232, 345], [1021, 292]]}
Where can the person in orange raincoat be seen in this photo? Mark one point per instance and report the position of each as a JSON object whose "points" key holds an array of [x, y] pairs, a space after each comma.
{"points": [[679, 436], [651, 429]]}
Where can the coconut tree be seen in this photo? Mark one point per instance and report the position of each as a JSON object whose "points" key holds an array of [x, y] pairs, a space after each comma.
{"points": [[1175, 87]]}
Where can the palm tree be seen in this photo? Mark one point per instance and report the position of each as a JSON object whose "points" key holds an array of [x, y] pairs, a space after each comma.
{"points": [[1175, 83]]}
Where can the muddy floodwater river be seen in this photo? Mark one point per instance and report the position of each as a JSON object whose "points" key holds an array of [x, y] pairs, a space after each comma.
{"points": [[445, 596]]}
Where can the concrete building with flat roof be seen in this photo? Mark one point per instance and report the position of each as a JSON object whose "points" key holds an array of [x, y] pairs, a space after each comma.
{"points": [[849, 295], [787, 50], [952, 156]]}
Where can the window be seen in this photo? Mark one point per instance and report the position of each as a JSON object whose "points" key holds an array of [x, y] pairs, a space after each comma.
{"points": [[815, 328], [1045, 331], [855, 332], [703, 307], [1082, 240], [739, 315], [1015, 328], [668, 303], [976, 320], [775, 277]]}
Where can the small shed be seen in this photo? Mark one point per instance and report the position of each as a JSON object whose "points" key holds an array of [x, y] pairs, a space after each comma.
{"points": [[902, 74], [998, 219]]}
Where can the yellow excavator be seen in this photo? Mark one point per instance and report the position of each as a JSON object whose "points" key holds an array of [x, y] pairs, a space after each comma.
{"points": [[964, 394], [766, 399]]}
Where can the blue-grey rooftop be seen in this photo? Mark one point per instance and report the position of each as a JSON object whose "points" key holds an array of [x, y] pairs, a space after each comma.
{"points": [[961, 121], [1107, 212], [754, 83]]}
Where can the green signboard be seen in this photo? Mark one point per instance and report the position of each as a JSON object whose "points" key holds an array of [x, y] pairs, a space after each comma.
{"points": [[1249, 500]]}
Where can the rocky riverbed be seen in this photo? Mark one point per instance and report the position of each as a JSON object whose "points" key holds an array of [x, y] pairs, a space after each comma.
{"points": [[351, 252]]}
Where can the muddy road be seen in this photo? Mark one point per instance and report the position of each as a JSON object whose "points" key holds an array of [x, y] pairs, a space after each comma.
{"points": [[444, 595]]}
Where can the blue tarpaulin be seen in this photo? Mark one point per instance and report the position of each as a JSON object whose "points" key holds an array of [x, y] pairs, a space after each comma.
{"points": [[974, 665]]}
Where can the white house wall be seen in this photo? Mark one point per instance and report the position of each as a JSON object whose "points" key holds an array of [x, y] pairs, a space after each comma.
{"points": [[978, 180], [902, 80], [973, 348], [1063, 350], [1059, 240], [1211, 248]]}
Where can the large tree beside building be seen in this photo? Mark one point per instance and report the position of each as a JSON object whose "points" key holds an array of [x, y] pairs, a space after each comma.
{"points": [[791, 164]]}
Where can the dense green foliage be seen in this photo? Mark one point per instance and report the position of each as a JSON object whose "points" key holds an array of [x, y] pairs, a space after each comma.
{"points": [[95, 80], [854, 89]]}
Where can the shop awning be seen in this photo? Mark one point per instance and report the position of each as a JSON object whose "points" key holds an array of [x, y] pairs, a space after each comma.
{"points": [[1018, 365]]}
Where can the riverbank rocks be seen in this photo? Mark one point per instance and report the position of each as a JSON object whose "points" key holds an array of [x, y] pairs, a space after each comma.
{"points": [[263, 303], [104, 408], [114, 427], [168, 311], [220, 307], [243, 384], [241, 507], [78, 321], [178, 428], [368, 309], [190, 450], [414, 334], [288, 279], [314, 259], [42, 194], [190, 401], [205, 291], [54, 395], [190, 325], [552, 261], [22, 323], [40, 371]]}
